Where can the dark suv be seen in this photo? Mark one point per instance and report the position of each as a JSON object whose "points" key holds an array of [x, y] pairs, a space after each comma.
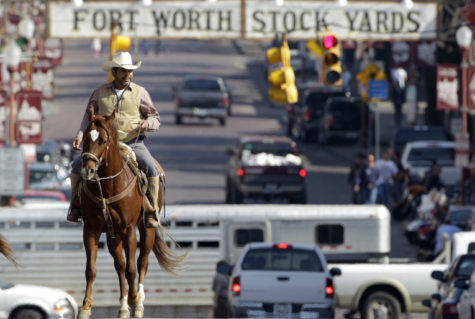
{"points": [[341, 119], [303, 116]]}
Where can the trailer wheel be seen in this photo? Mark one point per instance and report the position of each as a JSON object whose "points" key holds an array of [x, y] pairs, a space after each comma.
{"points": [[381, 304]]}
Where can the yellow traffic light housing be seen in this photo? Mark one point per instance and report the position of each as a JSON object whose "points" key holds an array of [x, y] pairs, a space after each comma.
{"points": [[119, 42], [331, 60], [282, 79]]}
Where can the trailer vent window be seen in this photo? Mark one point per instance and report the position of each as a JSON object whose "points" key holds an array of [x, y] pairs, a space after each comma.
{"points": [[68, 225], [70, 246], [329, 234], [44, 224], [21, 247], [184, 223], [244, 236], [44, 246], [19, 224], [208, 244], [185, 244]]}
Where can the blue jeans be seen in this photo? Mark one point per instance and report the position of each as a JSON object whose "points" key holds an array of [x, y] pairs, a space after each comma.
{"points": [[144, 159]]}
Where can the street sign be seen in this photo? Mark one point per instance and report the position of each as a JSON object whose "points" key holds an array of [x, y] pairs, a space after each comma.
{"points": [[12, 170], [378, 89], [447, 86], [462, 149], [29, 119], [42, 78], [471, 87], [3, 116]]}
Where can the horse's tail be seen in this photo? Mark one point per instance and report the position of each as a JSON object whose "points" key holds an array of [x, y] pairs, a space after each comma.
{"points": [[166, 257], [7, 250]]}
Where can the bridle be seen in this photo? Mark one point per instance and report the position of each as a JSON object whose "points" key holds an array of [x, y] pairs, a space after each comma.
{"points": [[101, 160]]}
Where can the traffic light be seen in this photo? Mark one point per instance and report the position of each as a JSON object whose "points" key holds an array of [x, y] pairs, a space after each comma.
{"points": [[119, 42], [282, 77], [331, 60]]}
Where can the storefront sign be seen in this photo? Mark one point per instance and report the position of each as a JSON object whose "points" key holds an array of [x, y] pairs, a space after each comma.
{"points": [[263, 19], [447, 86]]}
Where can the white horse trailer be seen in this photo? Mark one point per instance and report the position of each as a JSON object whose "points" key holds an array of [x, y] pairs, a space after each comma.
{"points": [[51, 252]]}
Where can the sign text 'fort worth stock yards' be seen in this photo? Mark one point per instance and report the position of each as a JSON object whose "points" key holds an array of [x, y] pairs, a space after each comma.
{"points": [[258, 20]]}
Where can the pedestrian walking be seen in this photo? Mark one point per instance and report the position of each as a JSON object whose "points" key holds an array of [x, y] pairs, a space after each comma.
{"points": [[358, 180], [372, 177], [221, 307], [386, 170], [399, 80]]}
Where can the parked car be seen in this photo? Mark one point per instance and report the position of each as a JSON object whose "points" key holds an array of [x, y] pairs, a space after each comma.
{"points": [[35, 302], [417, 133], [341, 119], [265, 166], [466, 304], [41, 195], [281, 279], [418, 157], [303, 116], [202, 97]]}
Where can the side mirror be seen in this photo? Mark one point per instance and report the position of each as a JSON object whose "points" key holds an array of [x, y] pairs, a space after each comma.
{"points": [[462, 283], [427, 303], [437, 297], [438, 275], [335, 271], [230, 151]]}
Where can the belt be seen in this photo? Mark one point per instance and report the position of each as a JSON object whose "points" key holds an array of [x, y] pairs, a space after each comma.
{"points": [[139, 139]]}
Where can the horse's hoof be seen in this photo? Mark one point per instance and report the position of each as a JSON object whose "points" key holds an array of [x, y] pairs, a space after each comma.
{"points": [[84, 314], [124, 313], [138, 311]]}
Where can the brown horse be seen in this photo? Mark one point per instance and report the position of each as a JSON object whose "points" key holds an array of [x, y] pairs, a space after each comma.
{"points": [[111, 202], [6, 250]]}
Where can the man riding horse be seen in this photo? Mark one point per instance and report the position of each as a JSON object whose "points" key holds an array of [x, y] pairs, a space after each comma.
{"points": [[135, 114]]}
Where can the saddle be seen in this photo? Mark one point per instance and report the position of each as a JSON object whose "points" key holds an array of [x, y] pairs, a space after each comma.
{"points": [[128, 156]]}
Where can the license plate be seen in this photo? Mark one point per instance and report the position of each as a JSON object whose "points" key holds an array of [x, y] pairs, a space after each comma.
{"points": [[199, 112], [283, 308]]}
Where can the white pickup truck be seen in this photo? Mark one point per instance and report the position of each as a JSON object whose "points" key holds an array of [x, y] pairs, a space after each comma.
{"points": [[394, 288]]}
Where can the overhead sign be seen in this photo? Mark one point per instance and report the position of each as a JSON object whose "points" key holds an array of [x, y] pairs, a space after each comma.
{"points": [[12, 170], [29, 119], [447, 86], [262, 19]]}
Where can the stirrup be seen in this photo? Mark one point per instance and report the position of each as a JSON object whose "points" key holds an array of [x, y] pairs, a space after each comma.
{"points": [[74, 215]]}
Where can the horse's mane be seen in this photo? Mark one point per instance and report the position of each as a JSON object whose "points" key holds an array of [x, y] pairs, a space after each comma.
{"points": [[7, 250]]}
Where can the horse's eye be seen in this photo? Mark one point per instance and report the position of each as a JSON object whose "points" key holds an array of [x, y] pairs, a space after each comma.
{"points": [[102, 141]]}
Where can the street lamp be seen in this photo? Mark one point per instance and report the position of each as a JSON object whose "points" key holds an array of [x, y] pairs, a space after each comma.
{"points": [[464, 40], [11, 57]]}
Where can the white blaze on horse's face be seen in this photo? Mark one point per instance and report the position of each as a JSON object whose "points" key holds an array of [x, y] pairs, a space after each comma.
{"points": [[94, 135]]}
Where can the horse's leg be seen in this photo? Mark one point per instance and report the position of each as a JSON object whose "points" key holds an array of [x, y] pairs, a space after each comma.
{"points": [[146, 243], [115, 249], [90, 240], [130, 246]]}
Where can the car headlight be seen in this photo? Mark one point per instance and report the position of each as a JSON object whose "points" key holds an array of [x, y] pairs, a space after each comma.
{"points": [[64, 309]]}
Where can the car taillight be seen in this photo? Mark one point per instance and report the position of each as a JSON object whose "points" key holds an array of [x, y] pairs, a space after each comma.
{"points": [[307, 116], [225, 100], [236, 286], [450, 309], [329, 290], [240, 172], [302, 172]]}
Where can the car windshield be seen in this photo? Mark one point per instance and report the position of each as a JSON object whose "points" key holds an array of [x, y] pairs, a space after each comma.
{"points": [[466, 267], [319, 98], [201, 85], [272, 148], [431, 154], [282, 259], [5, 284]]}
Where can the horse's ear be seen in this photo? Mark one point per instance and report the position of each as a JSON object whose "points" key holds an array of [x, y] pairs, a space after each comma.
{"points": [[90, 111]]}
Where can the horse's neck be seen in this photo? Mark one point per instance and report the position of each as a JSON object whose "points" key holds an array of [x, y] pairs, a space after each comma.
{"points": [[113, 162]]}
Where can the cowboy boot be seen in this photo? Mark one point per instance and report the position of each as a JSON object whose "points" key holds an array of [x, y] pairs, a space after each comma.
{"points": [[151, 216], [74, 212]]}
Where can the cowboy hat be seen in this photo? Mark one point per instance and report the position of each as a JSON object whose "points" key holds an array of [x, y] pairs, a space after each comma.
{"points": [[121, 60]]}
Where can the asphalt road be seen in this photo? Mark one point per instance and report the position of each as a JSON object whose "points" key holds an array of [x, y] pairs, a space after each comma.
{"points": [[194, 154]]}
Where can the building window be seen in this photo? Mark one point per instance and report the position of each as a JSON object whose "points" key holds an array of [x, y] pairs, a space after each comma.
{"points": [[329, 234], [244, 236]]}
